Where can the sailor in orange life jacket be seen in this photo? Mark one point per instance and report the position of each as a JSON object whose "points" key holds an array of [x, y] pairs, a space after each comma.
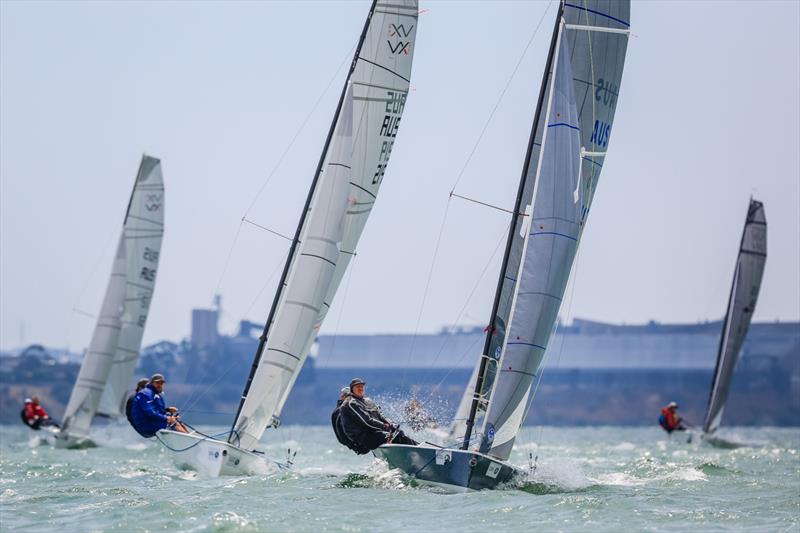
{"points": [[670, 420]]}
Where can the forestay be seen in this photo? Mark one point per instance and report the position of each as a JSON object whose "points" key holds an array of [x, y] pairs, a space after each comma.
{"points": [[569, 141], [741, 304], [106, 371], [353, 168]]}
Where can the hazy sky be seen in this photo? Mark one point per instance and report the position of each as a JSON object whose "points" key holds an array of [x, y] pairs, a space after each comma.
{"points": [[708, 114]]}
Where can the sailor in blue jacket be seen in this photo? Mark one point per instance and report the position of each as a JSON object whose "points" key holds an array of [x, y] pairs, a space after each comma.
{"points": [[149, 413]]}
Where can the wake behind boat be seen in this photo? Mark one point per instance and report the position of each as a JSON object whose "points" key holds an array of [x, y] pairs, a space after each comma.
{"points": [[566, 152], [345, 186]]}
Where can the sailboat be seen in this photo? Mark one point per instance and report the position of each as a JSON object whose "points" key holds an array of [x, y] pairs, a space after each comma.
{"points": [[105, 376], [344, 188], [741, 304], [566, 152]]}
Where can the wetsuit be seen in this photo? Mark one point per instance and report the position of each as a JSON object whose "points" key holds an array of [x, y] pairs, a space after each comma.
{"points": [[363, 423], [338, 430]]}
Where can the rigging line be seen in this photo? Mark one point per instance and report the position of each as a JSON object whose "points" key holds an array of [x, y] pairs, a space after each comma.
{"points": [[472, 292], [90, 277], [500, 98], [264, 287], [347, 60], [453, 369], [245, 219], [511, 211], [206, 389], [425, 292], [228, 259], [202, 392], [84, 313]]}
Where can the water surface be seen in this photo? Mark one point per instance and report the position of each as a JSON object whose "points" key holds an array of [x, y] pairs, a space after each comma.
{"points": [[583, 479]]}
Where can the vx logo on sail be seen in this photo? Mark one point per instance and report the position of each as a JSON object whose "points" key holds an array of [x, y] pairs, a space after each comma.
{"points": [[153, 202], [400, 32]]}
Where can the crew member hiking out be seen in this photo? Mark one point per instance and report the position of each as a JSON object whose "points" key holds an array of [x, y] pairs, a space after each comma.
{"points": [[142, 383], [670, 420], [364, 425], [336, 422], [149, 413], [34, 416]]}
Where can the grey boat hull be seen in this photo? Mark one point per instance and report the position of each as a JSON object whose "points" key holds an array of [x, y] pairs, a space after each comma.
{"points": [[452, 469]]}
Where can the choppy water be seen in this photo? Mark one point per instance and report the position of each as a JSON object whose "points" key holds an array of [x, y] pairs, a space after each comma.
{"points": [[586, 479]]}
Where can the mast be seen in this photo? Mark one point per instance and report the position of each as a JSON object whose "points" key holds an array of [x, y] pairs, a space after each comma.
{"points": [[512, 231], [306, 208]]}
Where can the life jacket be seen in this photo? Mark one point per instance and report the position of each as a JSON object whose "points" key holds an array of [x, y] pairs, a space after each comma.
{"points": [[25, 420], [668, 420]]}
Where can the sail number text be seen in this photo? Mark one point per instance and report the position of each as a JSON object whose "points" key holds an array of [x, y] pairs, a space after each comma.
{"points": [[395, 102]]}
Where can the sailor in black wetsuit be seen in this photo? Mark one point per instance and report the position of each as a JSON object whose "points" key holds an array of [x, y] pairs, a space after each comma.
{"points": [[363, 423], [336, 422]]}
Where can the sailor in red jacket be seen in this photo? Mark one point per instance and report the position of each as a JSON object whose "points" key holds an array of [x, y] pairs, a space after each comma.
{"points": [[670, 420], [34, 414]]}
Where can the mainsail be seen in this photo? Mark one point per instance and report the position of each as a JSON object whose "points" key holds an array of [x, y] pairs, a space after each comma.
{"points": [[342, 194], [741, 304], [566, 151], [107, 369]]}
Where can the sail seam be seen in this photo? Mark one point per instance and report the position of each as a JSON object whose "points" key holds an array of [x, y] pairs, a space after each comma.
{"points": [[615, 19], [570, 126], [384, 68], [318, 257], [554, 233], [363, 189], [542, 294], [281, 351], [527, 343]]}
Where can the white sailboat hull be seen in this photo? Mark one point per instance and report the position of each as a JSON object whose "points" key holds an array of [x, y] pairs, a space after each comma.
{"points": [[213, 458], [65, 441], [453, 470]]}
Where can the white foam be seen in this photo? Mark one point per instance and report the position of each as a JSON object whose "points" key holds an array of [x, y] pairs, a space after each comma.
{"points": [[562, 473], [623, 447]]}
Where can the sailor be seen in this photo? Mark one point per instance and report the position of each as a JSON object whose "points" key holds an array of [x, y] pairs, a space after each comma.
{"points": [[149, 413], [336, 422], [34, 415], [363, 423], [670, 420], [142, 383]]}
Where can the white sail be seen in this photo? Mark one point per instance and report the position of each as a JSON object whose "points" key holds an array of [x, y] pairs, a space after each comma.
{"points": [[103, 352], [293, 328], [741, 305], [142, 234], [566, 154], [351, 175]]}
